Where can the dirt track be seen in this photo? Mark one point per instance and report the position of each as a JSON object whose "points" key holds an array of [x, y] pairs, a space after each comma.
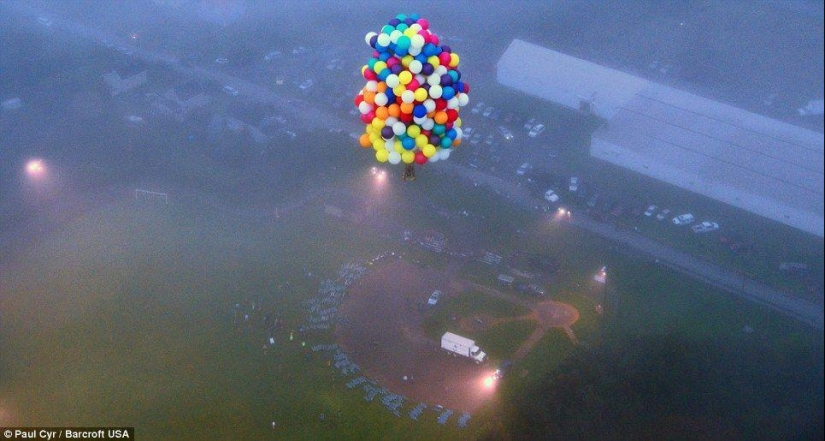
{"points": [[385, 310]]}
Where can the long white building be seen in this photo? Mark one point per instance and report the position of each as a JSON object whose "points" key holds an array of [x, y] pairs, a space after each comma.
{"points": [[762, 165]]}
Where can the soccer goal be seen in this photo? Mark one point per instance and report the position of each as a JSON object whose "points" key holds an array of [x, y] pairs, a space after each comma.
{"points": [[151, 197]]}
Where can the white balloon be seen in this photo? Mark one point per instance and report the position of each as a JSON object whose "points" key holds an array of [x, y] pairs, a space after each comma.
{"points": [[392, 81], [394, 157], [433, 158], [463, 99], [408, 96], [440, 70], [384, 40], [398, 128], [415, 66], [435, 91], [429, 104], [369, 36], [416, 42], [381, 99], [414, 50], [364, 107], [433, 79], [444, 154], [371, 86], [394, 35], [428, 124], [390, 145], [453, 103]]}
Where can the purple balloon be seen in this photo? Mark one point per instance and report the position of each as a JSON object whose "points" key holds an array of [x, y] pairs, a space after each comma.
{"points": [[446, 49], [446, 80], [394, 22], [435, 139], [427, 69], [386, 132], [373, 41], [396, 69]]}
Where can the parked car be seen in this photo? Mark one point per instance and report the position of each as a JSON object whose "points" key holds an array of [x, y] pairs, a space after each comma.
{"points": [[683, 219], [591, 203], [523, 169], [306, 84], [663, 214], [503, 368], [477, 108], [705, 227], [650, 210], [505, 132], [434, 297], [230, 90], [574, 184], [221, 60], [551, 196], [487, 111], [536, 130], [530, 123]]}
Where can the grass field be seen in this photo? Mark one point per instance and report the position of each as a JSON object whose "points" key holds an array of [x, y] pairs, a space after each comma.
{"points": [[125, 317]]}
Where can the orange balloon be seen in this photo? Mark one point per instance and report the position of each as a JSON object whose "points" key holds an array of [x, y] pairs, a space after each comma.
{"points": [[369, 97], [382, 86], [381, 112], [406, 108], [364, 140], [394, 110], [440, 117]]}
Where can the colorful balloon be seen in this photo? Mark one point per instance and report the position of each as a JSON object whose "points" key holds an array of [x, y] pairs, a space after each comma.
{"points": [[413, 94]]}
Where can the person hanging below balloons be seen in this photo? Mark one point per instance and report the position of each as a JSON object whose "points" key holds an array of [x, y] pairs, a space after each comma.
{"points": [[413, 94]]}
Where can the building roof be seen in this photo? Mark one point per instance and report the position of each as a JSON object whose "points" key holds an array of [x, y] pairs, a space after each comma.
{"points": [[564, 79], [765, 166], [762, 165]]}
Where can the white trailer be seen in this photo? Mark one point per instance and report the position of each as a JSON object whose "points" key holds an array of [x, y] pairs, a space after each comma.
{"points": [[463, 346]]}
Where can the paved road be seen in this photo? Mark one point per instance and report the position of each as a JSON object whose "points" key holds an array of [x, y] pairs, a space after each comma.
{"points": [[731, 281]]}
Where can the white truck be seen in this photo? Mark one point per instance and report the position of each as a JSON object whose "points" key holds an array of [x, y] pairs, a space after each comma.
{"points": [[463, 346]]}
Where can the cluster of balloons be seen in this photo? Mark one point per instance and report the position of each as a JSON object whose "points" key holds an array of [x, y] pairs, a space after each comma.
{"points": [[413, 94]]}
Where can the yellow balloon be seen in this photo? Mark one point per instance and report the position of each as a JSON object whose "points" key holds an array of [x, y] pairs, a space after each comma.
{"points": [[432, 59], [378, 123], [399, 89], [378, 144], [409, 32], [428, 150], [413, 131], [405, 77], [382, 155], [408, 157], [453, 59], [421, 141], [398, 147], [380, 65], [405, 61], [421, 94]]}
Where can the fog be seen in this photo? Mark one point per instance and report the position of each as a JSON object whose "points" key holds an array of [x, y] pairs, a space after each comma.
{"points": [[171, 168]]}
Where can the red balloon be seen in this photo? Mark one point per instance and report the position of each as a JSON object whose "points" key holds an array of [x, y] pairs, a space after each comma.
{"points": [[367, 118], [420, 159], [358, 99], [451, 115], [440, 104]]}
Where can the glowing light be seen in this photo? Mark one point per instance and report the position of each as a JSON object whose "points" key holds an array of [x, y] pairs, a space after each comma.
{"points": [[35, 168], [489, 382]]}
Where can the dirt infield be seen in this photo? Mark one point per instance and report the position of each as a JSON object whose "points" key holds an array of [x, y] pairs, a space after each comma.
{"points": [[385, 338], [385, 310]]}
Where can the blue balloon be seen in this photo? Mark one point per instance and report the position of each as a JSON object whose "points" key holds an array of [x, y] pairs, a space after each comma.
{"points": [[419, 111], [408, 143]]}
